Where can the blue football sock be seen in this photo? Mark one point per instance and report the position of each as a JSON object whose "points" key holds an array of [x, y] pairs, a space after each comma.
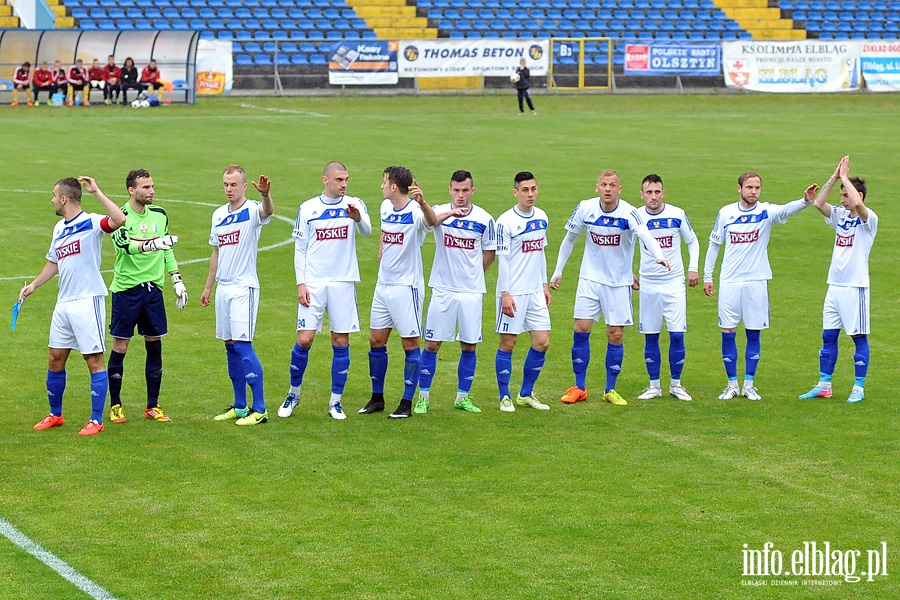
{"points": [[861, 359], [581, 357], [99, 388], [614, 355], [465, 372], [299, 360], [340, 368], [378, 365], [534, 362], [56, 386], [652, 355], [426, 373], [253, 374], [236, 374], [828, 355], [411, 372], [153, 370], [115, 369], [752, 353], [677, 353], [503, 367], [729, 354]]}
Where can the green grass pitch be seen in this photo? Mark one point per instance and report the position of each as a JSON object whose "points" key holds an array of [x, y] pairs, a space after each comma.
{"points": [[653, 500]]}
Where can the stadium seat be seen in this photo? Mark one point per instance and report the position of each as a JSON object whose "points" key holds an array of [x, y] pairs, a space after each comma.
{"points": [[318, 59], [243, 60], [262, 60]]}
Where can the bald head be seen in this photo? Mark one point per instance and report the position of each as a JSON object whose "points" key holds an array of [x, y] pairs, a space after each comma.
{"points": [[333, 167]]}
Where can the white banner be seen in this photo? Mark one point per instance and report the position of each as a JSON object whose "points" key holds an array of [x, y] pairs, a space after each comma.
{"points": [[792, 67], [881, 65], [214, 67], [455, 58]]}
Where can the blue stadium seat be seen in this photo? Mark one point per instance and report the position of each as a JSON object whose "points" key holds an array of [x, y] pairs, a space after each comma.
{"points": [[243, 60], [262, 60], [124, 24], [318, 60], [204, 35], [143, 24], [270, 24], [180, 24], [106, 24], [171, 13], [197, 24]]}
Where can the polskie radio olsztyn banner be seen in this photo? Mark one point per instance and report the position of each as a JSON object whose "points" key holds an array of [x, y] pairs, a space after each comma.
{"points": [[673, 58], [363, 62], [472, 57], [792, 67]]}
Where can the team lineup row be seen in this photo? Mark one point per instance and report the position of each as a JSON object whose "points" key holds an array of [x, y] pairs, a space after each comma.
{"points": [[468, 240]]}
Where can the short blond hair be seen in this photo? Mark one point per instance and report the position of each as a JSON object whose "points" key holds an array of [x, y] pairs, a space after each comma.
{"points": [[230, 169]]}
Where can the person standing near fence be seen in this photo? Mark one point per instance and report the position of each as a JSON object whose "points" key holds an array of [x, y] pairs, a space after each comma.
{"points": [[522, 85]]}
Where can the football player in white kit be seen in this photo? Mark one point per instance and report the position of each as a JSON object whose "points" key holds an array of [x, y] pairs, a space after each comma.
{"points": [[400, 291], [79, 318], [234, 236], [327, 273], [605, 279], [466, 242], [523, 296], [744, 228], [663, 295], [847, 300]]}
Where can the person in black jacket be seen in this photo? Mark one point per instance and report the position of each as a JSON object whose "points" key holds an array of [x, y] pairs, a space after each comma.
{"points": [[522, 86], [130, 79]]}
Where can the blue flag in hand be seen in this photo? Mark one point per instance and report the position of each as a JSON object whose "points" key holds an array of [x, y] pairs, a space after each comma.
{"points": [[15, 314]]}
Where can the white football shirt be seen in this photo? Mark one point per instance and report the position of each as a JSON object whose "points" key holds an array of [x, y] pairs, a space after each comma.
{"points": [[669, 226], [328, 232], [460, 242], [852, 244], [402, 235], [522, 238], [236, 234], [745, 234], [75, 248], [609, 247]]}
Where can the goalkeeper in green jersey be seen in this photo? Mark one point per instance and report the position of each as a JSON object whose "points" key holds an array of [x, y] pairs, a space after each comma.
{"points": [[143, 258]]}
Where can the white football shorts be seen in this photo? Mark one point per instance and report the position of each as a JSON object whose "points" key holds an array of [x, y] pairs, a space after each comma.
{"points": [[449, 309], [594, 299], [662, 301], [847, 308], [532, 314], [398, 307], [747, 300], [236, 309], [79, 324], [336, 297]]}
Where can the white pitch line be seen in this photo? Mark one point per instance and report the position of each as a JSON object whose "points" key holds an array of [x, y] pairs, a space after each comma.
{"points": [[62, 568], [190, 261], [287, 111]]}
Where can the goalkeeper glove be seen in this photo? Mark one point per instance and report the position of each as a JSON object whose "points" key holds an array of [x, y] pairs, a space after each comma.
{"points": [[181, 295], [161, 243]]}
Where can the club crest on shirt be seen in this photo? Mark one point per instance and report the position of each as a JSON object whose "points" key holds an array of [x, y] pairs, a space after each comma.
{"points": [[70, 249]]}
